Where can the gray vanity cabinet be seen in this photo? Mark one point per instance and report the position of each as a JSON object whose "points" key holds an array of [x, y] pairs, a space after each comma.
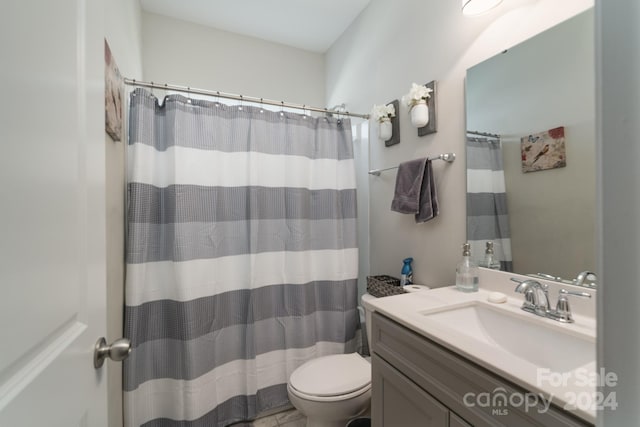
{"points": [[417, 382], [398, 402], [456, 421]]}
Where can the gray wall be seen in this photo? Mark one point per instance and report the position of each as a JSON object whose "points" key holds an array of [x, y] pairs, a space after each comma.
{"points": [[193, 55], [391, 45]]}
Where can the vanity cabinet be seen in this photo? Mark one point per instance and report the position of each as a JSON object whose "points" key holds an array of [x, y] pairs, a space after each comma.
{"points": [[417, 382], [398, 402]]}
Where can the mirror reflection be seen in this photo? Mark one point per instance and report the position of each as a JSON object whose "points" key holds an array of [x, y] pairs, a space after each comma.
{"points": [[531, 153]]}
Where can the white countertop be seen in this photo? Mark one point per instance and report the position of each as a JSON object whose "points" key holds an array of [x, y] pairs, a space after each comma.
{"points": [[575, 392]]}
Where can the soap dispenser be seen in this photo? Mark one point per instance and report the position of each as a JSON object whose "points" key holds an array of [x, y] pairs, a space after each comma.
{"points": [[467, 273], [490, 260], [406, 275]]}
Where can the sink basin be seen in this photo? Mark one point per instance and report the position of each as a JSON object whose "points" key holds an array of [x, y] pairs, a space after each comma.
{"points": [[522, 335]]}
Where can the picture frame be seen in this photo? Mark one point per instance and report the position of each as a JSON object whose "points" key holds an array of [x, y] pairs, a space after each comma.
{"points": [[113, 94]]}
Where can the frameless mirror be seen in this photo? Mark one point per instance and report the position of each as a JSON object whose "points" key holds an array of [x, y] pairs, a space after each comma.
{"points": [[531, 118]]}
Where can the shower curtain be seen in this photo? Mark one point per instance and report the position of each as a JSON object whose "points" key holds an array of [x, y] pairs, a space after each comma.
{"points": [[241, 257], [487, 217]]}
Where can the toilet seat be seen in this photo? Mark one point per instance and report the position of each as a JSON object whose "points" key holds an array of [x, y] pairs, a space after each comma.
{"points": [[336, 398], [330, 378]]}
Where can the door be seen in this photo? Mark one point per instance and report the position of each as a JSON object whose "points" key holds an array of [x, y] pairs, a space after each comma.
{"points": [[52, 213], [397, 402]]}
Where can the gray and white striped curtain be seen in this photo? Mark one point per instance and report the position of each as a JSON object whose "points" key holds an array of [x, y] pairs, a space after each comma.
{"points": [[241, 259], [487, 216]]}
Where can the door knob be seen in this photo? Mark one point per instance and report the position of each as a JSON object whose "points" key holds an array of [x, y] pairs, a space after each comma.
{"points": [[117, 351]]}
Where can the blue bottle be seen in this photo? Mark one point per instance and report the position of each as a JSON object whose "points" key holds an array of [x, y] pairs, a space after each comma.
{"points": [[406, 275]]}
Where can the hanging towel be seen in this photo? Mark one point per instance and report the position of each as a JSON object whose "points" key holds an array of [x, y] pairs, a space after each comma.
{"points": [[415, 191], [408, 185], [428, 208]]}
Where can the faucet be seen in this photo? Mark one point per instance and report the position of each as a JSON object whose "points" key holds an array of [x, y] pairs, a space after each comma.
{"points": [[586, 275], [536, 296], [537, 300]]}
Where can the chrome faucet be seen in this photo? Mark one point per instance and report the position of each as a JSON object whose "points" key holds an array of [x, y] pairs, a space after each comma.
{"points": [[536, 296], [586, 275], [536, 301]]}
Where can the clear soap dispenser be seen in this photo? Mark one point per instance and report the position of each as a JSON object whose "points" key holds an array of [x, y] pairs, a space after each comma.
{"points": [[490, 260], [467, 273]]}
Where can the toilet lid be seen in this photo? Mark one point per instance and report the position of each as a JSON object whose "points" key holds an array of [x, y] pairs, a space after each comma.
{"points": [[332, 375]]}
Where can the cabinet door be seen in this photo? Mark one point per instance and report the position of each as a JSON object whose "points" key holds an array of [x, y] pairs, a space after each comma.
{"points": [[456, 421], [397, 402]]}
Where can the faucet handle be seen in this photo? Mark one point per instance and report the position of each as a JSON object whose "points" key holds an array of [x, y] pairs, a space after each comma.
{"points": [[574, 293], [563, 309], [549, 277]]}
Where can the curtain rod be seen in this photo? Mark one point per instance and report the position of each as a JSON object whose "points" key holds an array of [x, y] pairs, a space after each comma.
{"points": [[447, 157], [186, 89], [475, 132]]}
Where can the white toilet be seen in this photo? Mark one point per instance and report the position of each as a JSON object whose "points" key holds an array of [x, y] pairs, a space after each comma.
{"points": [[331, 390]]}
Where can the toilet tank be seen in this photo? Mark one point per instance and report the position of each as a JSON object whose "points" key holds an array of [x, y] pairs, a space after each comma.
{"points": [[366, 298]]}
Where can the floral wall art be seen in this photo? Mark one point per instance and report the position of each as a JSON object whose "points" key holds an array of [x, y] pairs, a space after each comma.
{"points": [[543, 150], [113, 89]]}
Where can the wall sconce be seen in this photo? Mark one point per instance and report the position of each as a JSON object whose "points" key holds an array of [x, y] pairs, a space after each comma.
{"points": [[421, 102], [476, 7], [388, 125]]}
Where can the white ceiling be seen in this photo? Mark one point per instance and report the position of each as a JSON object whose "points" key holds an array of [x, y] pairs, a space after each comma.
{"points": [[306, 24]]}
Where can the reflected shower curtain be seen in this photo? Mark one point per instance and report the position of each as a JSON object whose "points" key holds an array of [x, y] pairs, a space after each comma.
{"points": [[241, 257], [487, 217]]}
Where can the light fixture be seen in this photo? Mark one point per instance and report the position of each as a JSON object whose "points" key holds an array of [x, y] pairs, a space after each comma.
{"points": [[476, 7]]}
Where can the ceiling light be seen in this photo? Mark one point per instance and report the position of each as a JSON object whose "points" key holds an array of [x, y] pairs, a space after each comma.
{"points": [[476, 7]]}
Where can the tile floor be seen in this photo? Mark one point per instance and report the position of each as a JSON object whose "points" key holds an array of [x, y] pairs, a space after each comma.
{"points": [[290, 418]]}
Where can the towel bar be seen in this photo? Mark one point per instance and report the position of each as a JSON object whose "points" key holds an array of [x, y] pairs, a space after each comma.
{"points": [[447, 157]]}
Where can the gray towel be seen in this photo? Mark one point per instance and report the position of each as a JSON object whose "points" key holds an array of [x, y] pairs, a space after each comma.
{"points": [[408, 185], [415, 191], [428, 208]]}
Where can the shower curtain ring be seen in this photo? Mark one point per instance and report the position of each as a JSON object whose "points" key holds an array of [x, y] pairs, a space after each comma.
{"points": [[261, 106], [241, 100], [166, 89], [281, 108]]}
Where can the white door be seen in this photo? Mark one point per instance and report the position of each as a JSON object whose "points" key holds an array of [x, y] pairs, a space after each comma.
{"points": [[52, 213]]}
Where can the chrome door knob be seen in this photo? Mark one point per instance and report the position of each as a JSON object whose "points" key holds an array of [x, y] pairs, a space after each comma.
{"points": [[117, 351]]}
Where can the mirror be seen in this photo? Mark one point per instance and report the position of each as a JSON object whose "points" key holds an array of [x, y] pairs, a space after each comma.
{"points": [[525, 95]]}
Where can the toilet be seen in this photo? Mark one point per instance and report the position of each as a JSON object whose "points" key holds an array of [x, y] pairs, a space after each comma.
{"points": [[331, 390]]}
